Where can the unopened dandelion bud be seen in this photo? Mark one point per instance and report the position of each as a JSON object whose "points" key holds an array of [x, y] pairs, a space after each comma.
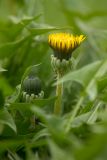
{"points": [[31, 88]]}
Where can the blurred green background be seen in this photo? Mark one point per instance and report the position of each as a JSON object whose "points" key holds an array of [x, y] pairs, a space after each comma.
{"points": [[24, 29]]}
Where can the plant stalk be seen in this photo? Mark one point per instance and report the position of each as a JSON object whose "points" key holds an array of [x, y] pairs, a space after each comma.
{"points": [[59, 93]]}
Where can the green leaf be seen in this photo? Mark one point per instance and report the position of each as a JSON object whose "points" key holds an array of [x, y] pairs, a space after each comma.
{"points": [[54, 124], [58, 153], [2, 69], [102, 83], [11, 143], [94, 147], [20, 24], [41, 29], [42, 133], [5, 86], [23, 108], [28, 106], [79, 120], [88, 76], [44, 102], [25, 20], [6, 118], [82, 75], [9, 48], [88, 118]]}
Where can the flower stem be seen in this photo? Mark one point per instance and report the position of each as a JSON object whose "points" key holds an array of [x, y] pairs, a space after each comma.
{"points": [[59, 92]]}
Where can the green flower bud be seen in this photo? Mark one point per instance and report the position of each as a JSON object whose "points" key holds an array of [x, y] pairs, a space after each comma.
{"points": [[31, 89], [32, 85]]}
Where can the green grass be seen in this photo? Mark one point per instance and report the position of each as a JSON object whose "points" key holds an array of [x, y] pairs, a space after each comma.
{"points": [[80, 133]]}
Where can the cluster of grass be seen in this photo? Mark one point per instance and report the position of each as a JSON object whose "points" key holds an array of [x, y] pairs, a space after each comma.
{"points": [[80, 133]]}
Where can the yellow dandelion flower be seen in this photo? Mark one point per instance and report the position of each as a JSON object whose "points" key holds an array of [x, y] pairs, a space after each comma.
{"points": [[64, 44]]}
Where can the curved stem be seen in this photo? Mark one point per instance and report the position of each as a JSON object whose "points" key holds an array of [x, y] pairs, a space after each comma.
{"points": [[59, 92]]}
